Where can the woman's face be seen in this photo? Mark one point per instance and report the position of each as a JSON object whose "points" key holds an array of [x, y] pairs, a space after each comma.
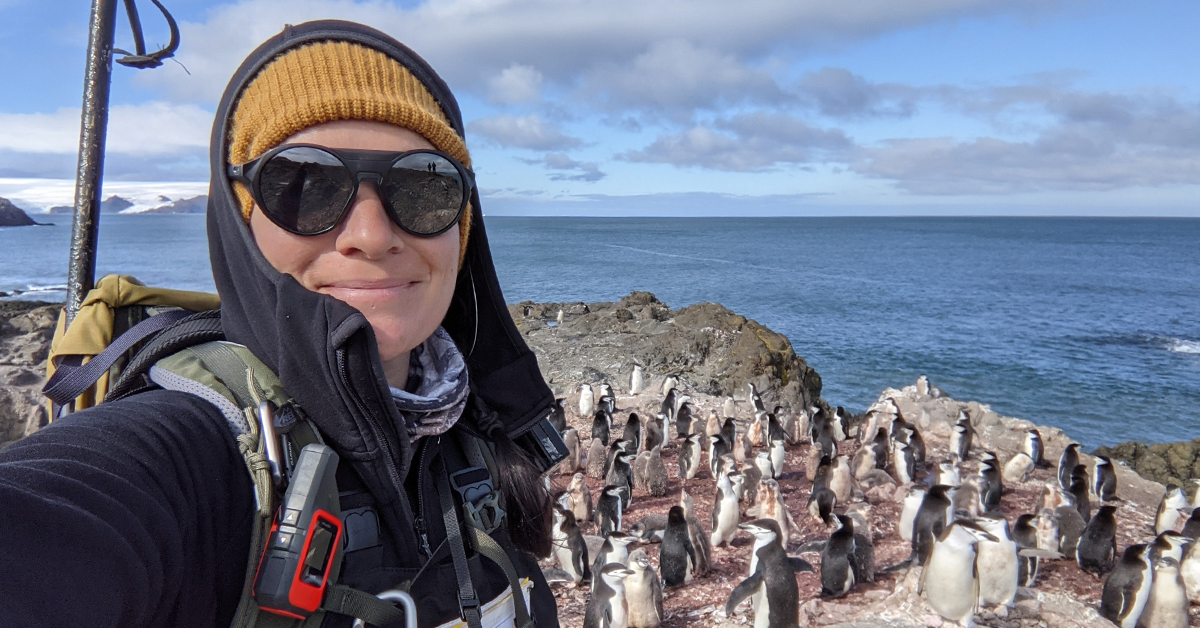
{"points": [[402, 284]]}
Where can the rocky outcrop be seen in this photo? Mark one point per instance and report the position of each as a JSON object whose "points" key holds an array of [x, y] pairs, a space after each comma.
{"points": [[194, 205], [13, 216], [25, 332], [708, 348], [1168, 463]]}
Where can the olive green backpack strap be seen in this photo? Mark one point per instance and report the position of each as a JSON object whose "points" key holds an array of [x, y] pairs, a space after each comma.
{"points": [[230, 377]]}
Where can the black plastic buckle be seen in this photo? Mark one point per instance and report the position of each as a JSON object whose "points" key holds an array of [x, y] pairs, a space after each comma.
{"points": [[481, 502], [467, 605]]}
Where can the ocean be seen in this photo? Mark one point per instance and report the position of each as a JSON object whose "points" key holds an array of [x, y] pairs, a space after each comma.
{"points": [[1088, 324]]}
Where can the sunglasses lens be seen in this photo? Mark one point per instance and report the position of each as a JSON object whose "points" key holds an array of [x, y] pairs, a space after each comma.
{"points": [[305, 189], [425, 193]]}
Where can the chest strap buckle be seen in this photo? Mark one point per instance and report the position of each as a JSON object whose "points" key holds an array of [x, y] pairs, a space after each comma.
{"points": [[481, 502]]}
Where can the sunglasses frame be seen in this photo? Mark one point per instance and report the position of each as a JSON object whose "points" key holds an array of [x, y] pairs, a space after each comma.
{"points": [[363, 165]]}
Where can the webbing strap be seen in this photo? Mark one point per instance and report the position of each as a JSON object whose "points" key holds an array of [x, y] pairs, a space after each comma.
{"points": [[344, 600], [69, 380], [488, 546], [468, 601]]}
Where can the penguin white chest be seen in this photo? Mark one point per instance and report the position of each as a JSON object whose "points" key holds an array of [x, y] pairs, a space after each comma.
{"points": [[997, 567], [950, 581]]}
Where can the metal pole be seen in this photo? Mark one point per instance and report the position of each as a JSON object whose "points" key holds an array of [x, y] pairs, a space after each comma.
{"points": [[96, 82]]}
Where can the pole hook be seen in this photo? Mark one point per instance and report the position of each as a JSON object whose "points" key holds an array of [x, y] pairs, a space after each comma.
{"points": [[139, 59]]}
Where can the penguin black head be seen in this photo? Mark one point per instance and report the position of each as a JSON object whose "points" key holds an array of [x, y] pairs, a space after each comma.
{"points": [[675, 516], [762, 529]]}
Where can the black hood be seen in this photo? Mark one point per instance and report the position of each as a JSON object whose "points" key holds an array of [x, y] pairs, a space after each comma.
{"points": [[323, 349]]}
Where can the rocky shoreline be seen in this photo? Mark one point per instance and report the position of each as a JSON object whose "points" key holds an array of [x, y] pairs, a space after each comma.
{"points": [[713, 353]]}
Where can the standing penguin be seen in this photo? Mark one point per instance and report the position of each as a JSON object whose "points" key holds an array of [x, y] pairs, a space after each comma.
{"points": [[614, 550], [949, 580], [766, 470], [677, 558], [579, 498], [1080, 492], [879, 445], [1127, 588], [633, 432], [904, 463], [1104, 479], [837, 575], [558, 415], [908, 512], [933, 516], [683, 419], [947, 474], [772, 586], [587, 401], [729, 409], [621, 476], [574, 454], [1066, 465], [1168, 603], [1169, 509], [777, 453], [696, 533], [569, 547], [643, 593], [637, 382], [601, 426], [1025, 534], [990, 485], [755, 398], [1017, 468], [1098, 544], [608, 510], [689, 456], [997, 564], [716, 451], [725, 514], [960, 441], [596, 458], [841, 480], [1032, 446], [656, 474], [607, 608], [669, 383], [1190, 570]]}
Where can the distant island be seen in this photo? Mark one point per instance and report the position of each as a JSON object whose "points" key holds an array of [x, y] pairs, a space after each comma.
{"points": [[13, 216], [116, 205]]}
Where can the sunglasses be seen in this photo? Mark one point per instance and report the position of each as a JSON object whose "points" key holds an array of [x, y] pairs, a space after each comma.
{"points": [[307, 190]]}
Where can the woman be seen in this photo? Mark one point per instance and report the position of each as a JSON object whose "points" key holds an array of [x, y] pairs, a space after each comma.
{"points": [[349, 253]]}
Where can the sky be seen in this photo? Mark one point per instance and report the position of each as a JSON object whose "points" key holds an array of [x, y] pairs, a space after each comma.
{"points": [[687, 107]]}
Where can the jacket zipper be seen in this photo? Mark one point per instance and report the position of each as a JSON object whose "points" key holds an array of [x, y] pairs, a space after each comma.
{"points": [[419, 519]]}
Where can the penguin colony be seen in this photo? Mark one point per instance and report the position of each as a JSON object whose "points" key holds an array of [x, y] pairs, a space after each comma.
{"points": [[973, 548]]}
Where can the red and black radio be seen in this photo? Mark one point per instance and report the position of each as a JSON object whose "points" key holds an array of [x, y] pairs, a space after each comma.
{"points": [[303, 553]]}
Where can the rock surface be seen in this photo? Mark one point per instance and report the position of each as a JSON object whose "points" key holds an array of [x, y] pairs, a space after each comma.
{"points": [[25, 332], [13, 216], [1168, 463]]}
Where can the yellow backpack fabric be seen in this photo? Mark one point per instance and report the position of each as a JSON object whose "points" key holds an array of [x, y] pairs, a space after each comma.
{"points": [[92, 330]]}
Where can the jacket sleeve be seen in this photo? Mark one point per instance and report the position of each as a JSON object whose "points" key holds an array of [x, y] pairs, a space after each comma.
{"points": [[132, 513]]}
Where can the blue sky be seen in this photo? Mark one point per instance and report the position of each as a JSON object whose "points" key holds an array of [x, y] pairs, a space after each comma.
{"points": [[693, 107]]}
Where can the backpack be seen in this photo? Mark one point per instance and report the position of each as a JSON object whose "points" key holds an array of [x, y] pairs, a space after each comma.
{"points": [[128, 337]]}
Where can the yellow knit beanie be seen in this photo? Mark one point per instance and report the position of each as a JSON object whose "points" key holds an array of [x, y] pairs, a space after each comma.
{"points": [[336, 80]]}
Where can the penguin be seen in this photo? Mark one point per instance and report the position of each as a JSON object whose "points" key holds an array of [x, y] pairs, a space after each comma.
{"points": [[960, 441], [559, 319], [558, 415], [796, 426], [637, 382], [824, 440], [738, 482], [669, 383], [607, 608], [1104, 479], [840, 479], [1048, 531], [775, 430], [923, 386], [579, 498], [1066, 465], [683, 419], [596, 458], [729, 409], [775, 597], [778, 455], [908, 513], [1071, 525], [1191, 529], [837, 576], [863, 462], [950, 581], [729, 433], [1195, 494], [643, 592], [990, 486], [712, 426], [1127, 588], [1189, 568], [997, 564], [1169, 509], [839, 423], [1024, 532], [621, 476], [614, 550], [614, 448], [1168, 603], [568, 465], [863, 559], [677, 557], [689, 456], [633, 432], [667, 407], [601, 426], [751, 479], [755, 398], [696, 533], [820, 504], [608, 510], [717, 450], [1080, 491], [640, 465], [932, 518], [569, 547], [587, 401], [649, 529], [1017, 468], [880, 446], [917, 444], [653, 434], [656, 474], [766, 469], [606, 399], [1098, 544], [725, 514], [1170, 544], [755, 432], [948, 474], [1032, 446], [905, 464]]}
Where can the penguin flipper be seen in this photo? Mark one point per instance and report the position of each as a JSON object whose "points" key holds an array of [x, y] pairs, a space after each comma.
{"points": [[743, 591], [799, 565]]}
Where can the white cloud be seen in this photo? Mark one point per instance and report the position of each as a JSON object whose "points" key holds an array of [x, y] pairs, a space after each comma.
{"points": [[745, 143], [154, 128], [517, 84], [522, 132]]}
